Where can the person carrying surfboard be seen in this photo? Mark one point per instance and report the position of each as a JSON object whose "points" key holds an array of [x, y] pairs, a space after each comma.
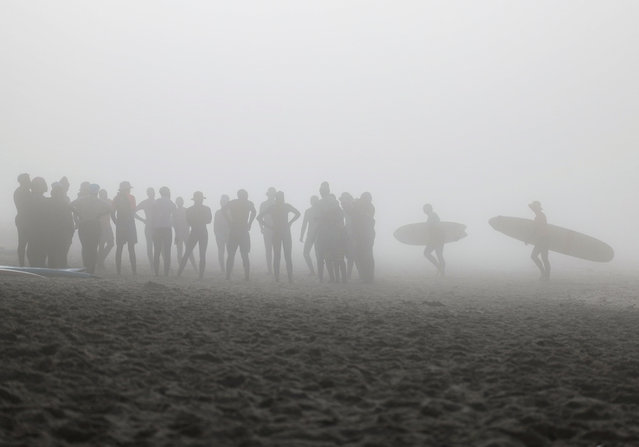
{"points": [[437, 240], [540, 239]]}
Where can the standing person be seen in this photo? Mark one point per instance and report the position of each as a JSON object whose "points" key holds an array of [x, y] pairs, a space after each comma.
{"points": [[337, 243], [38, 224], [266, 230], [436, 240], [61, 227], [22, 200], [123, 216], [281, 230], [146, 206], [162, 224], [240, 213], [324, 232], [364, 236], [107, 239], [181, 227], [540, 239], [221, 230], [347, 202], [310, 222], [198, 217], [88, 210]]}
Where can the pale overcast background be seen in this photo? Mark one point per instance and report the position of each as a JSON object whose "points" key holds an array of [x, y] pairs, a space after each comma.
{"points": [[478, 107]]}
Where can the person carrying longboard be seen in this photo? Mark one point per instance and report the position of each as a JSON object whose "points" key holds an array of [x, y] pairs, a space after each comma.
{"points": [[437, 240], [540, 239]]}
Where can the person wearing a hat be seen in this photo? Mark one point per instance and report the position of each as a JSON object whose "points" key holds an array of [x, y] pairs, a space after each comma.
{"points": [[123, 216], [540, 239], [22, 201], [266, 227], [61, 227], [198, 217], [88, 209], [240, 213]]}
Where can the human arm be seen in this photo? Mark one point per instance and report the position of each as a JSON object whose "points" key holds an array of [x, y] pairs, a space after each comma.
{"points": [[252, 214], [296, 214]]}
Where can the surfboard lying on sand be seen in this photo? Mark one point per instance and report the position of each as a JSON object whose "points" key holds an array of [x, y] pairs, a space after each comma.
{"points": [[419, 233], [19, 273], [50, 273], [560, 240]]}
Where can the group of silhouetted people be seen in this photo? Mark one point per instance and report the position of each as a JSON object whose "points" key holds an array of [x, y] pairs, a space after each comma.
{"points": [[341, 232]]}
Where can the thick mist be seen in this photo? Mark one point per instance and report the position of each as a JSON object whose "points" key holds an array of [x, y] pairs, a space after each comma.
{"points": [[475, 107]]}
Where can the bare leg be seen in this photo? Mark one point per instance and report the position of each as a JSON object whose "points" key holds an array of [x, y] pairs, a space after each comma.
{"points": [[535, 257], [118, 259], [132, 259], [307, 254], [277, 256], [546, 262], [203, 244], [287, 245], [190, 244], [428, 253], [221, 246], [439, 251]]}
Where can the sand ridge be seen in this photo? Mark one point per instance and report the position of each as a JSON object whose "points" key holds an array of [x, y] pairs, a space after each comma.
{"points": [[404, 362]]}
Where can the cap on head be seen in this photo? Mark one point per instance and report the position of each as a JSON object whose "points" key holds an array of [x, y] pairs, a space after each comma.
{"points": [[198, 196], [125, 186], [271, 192]]}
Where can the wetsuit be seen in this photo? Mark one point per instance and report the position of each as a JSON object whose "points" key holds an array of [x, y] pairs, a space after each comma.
{"points": [[198, 217], [22, 200], [240, 213], [89, 210]]}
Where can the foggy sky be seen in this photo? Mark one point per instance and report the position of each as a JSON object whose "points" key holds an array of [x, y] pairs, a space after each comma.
{"points": [[476, 107]]}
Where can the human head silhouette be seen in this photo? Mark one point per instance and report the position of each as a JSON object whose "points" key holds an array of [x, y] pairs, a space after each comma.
{"points": [[150, 193], [535, 206], [179, 202], [198, 197], [24, 180], [39, 186], [279, 196], [242, 194], [165, 192], [428, 208], [314, 200], [324, 190], [103, 194], [94, 189], [366, 197], [271, 192], [125, 186], [224, 200]]}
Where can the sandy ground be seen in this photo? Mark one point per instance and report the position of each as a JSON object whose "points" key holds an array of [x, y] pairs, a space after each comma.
{"points": [[477, 361]]}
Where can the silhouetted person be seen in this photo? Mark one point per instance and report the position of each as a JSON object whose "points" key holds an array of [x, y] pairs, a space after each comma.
{"points": [[22, 200], [310, 222], [181, 227], [323, 238], [540, 239], [221, 229], [281, 231], [265, 228], [240, 213], [198, 217], [147, 207], [123, 215], [89, 209], [38, 214], [347, 203], [162, 225], [107, 238], [61, 227], [363, 234], [65, 185], [436, 240]]}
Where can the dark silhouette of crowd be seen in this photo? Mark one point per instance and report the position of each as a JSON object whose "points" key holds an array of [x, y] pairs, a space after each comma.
{"points": [[342, 233]]}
